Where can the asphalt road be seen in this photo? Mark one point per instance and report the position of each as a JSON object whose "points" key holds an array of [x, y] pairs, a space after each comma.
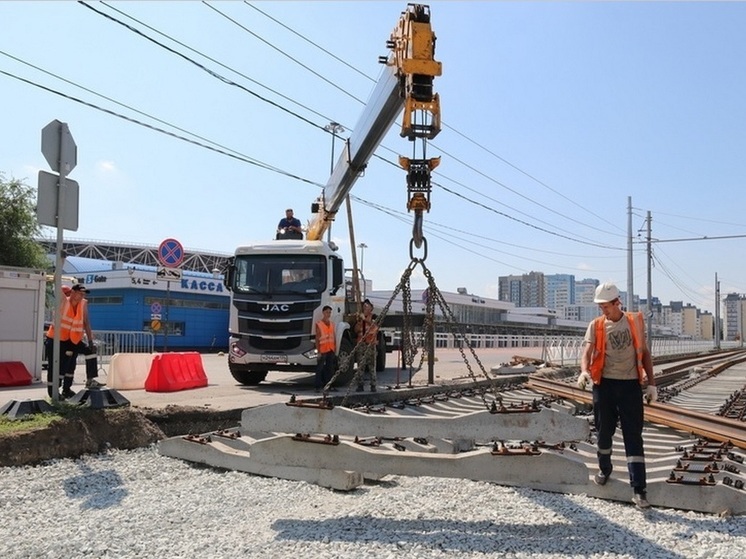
{"points": [[224, 393]]}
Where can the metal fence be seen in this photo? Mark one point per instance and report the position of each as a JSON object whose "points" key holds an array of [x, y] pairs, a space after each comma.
{"points": [[567, 350], [109, 342], [557, 350], [477, 341]]}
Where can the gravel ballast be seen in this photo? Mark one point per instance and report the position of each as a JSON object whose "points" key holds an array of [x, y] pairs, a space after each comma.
{"points": [[137, 503]]}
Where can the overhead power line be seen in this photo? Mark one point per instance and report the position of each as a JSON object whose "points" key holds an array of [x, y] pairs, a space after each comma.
{"points": [[236, 156]]}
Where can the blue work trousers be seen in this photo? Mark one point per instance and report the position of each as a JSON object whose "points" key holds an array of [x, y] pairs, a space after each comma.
{"points": [[325, 368], [620, 400]]}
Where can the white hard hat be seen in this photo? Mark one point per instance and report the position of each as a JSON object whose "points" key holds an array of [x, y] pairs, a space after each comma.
{"points": [[606, 293]]}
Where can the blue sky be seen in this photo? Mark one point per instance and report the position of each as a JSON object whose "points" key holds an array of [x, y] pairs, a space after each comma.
{"points": [[554, 114]]}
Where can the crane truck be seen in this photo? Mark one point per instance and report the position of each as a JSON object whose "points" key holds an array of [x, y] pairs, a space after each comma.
{"points": [[279, 287]]}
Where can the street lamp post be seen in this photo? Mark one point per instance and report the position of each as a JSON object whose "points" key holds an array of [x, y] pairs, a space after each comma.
{"points": [[333, 128], [362, 247]]}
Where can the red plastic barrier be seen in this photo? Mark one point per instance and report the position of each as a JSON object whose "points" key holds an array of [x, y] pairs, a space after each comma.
{"points": [[170, 372], [14, 373]]}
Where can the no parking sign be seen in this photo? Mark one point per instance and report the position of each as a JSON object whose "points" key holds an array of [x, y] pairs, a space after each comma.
{"points": [[171, 253]]}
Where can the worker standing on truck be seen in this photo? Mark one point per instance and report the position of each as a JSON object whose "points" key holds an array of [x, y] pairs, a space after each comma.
{"points": [[289, 227], [326, 349], [367, 340]]}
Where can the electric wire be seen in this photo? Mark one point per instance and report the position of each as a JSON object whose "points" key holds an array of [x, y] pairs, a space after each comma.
{"points": [[123, 105], [269, 44], [202, 67], [309, 41], [430, 225], [110, 112], [215, 61]]}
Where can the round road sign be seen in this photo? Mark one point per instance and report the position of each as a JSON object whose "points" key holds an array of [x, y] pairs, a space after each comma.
{"points": [[170, 253]]}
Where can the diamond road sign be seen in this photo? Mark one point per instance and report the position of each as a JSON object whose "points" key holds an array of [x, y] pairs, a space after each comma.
{"points": [[58, 147]]}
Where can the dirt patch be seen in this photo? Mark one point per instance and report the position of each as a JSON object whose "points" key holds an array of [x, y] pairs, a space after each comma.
{"points": [[94, 431]]}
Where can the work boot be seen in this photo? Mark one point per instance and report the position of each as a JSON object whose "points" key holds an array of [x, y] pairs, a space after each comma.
{"points": [[93, 383], [641, 500], [600, 478], [67, 394]]}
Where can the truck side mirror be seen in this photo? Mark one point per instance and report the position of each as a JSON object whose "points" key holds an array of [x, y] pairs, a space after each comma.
{"points": [[337, 274], [230, 272]]}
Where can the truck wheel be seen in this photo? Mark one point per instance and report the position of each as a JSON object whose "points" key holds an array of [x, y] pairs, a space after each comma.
{"points": [[381, 353], [247, 377], [345, 354]]}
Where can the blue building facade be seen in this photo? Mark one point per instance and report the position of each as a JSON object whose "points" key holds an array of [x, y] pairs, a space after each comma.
{"points": [[190, 314]]}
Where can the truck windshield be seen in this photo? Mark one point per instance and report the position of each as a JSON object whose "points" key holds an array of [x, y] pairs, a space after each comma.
{"points": [[280, 273]]}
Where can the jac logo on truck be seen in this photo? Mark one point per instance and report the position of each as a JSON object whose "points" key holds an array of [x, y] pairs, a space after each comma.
{"points": [[275, 308]]}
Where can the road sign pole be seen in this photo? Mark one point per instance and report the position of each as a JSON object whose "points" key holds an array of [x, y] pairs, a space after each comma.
{"points": [[58, 265], [60, 151], [165, 330]]}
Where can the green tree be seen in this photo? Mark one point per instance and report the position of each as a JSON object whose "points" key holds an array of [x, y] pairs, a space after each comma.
{"points": [[18, 226]]}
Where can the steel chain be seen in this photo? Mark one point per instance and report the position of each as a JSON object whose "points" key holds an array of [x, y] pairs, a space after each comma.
{"points": [[458, 328], [409, 340]]}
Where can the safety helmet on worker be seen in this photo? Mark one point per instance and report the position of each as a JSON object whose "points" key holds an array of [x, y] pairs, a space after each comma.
{"points": [[606, 293]]}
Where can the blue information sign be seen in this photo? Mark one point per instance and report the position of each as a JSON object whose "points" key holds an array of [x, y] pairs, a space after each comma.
{"points": [[171, 253]]}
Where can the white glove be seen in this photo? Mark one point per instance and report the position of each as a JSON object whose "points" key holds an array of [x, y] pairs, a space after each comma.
{"points": [[651, 393], [584, 380]]}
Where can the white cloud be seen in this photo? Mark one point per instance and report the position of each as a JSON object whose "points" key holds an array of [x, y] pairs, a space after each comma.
{"points": [[106, 167]]}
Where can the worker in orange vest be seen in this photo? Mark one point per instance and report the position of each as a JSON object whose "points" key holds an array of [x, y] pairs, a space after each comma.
{"points": [[74, 322], [325, 349], [617, 361]]}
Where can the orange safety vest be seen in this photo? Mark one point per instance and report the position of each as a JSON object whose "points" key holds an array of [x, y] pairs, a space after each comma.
{"points": [[326, 340], [71, 322], [367, 335], [636, 327]]}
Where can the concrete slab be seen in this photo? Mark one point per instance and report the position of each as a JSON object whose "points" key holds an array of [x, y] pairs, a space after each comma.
{"points": [[547, 425], [220, 455]]}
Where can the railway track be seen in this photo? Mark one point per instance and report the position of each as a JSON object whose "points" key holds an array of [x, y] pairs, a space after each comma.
{"points": [[694, 458]]}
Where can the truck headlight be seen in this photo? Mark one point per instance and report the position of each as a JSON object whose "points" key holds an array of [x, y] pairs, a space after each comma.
{"points": [[237, 351], [311, 354]]}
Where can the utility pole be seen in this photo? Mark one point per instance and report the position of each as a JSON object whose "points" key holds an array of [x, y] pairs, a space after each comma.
{"points": [[630, 272], [717, 312], [650, 281]]}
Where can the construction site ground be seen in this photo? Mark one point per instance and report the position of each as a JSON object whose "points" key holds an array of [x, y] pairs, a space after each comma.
{"points": [[224, 393], [152, 416]]}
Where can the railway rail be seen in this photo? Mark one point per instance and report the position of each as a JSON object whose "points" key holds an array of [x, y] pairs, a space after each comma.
{"points": [[703, 425]]}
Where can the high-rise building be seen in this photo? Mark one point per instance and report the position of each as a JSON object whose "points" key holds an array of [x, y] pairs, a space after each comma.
{"points": [[584, 291], [559, 291], [734, 316], [526, 290]]}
